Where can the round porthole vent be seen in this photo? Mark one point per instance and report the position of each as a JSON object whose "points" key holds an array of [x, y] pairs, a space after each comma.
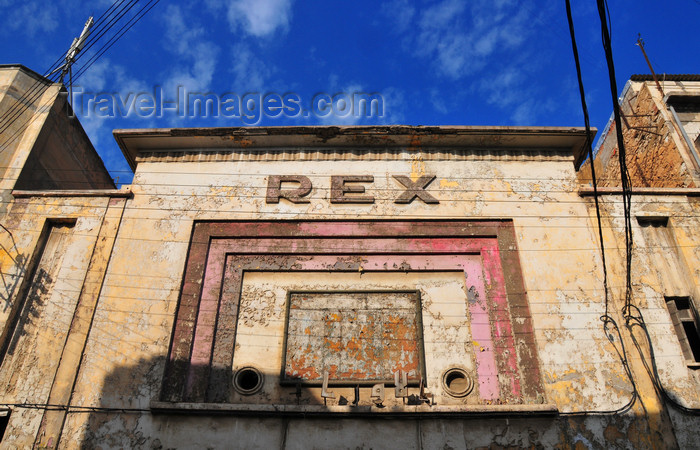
{"points": [[456, 382], [248, 380]]}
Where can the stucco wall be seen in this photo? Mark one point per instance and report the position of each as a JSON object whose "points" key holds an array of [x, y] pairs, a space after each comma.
{"points": [[581, 372], [37, 340], [657, 155], [584, 393]]}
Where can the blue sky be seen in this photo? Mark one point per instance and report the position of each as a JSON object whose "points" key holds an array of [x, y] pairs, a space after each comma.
{"points": [[440, 62]]}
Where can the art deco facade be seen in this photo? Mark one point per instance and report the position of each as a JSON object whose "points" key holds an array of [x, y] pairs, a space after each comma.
{"points": [[347, 287]]}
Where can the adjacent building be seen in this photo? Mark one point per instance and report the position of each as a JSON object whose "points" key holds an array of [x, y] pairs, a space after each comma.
{"points": [[348, 287]]}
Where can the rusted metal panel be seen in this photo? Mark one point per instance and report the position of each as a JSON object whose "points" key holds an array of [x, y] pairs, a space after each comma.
{"points": [[357, 337]]}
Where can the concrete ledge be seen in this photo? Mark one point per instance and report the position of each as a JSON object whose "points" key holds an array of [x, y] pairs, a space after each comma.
{"points": [[405, 411], [136, 141], [124, 193], [587, 191]]}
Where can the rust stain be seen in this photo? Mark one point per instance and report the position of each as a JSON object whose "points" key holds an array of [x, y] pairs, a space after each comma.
{"points": [[352, 335]]}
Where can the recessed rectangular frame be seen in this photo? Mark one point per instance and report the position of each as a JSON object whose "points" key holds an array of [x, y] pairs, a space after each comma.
{"points": [[199, 364]]}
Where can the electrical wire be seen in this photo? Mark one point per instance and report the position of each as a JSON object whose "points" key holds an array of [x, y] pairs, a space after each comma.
{"points": [[604, 13], [589, 146], [126, 27], [632, 314], [101, 29], [72, 408], [635, 319], [7, 122], [607, 320], [622, 354], [39, 86]]}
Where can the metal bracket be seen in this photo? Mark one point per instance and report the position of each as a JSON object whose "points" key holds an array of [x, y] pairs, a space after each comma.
{"points": [[324, 389], [400, 383], [297, 392], [378, 394], [423, 394]]}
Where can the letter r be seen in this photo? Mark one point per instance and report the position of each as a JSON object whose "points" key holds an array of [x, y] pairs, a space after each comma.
{"points": [[275, 192]]}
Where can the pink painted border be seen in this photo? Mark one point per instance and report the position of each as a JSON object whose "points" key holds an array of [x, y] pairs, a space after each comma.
{"points": [[231, 247]]}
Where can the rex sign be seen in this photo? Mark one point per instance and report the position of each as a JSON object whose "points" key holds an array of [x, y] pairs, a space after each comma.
{"points": [[346, 189]]}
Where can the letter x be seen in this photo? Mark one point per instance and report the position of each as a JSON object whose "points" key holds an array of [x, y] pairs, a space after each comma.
{"points": [[415, 189]]}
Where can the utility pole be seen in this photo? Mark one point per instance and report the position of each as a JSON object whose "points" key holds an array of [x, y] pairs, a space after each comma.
{"points": [[640, 43], [75, 48]]}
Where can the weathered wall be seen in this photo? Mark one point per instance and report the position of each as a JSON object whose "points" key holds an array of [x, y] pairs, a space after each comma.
{"points": [[43, 147], [665, 258], [125, 357], [36, 338], [144, 244], [652, 144], [26, 100], [658, 269], [63, 156]]}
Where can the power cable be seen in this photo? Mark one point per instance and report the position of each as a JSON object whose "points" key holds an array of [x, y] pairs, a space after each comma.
{"points": [[91, 42], [126, 27], [635, 319], [604, 14], [39, 86], [633, 315], [589, 145], [605, 318], [72, 408], [99, 31]]}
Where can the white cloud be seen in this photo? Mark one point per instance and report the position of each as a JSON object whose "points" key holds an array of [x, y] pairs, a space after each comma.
{"points": [[105, 77], [31, 17], [354, 97], [394, 106], [527, 112], [442, 14], [490, 44], [510, 90], [402, 13], [250, 72], [198, 57], [95, 77], [460, 39], [260, 17], [438, 101], [337, 114]]}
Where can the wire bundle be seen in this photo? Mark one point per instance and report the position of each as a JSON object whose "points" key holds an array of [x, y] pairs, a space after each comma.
{"points": [[101, 39]]}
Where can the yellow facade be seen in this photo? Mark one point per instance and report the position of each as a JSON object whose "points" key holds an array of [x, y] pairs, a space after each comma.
{"points": [[130, 313]]}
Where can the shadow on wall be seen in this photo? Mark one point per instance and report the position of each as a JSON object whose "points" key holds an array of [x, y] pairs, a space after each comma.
{"points": [[31, 310], [10, 282], [124, 417], [125, 420]]}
